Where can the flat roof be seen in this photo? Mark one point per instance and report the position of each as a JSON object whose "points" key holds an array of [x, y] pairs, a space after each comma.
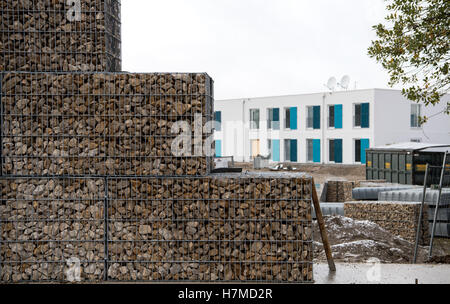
{"points": [[412, 146]]}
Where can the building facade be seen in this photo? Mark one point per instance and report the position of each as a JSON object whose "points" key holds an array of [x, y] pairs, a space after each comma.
{"points": [[326, 128]]}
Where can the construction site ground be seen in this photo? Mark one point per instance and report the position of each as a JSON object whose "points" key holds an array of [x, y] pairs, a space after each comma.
{"points": [[359, 241]]}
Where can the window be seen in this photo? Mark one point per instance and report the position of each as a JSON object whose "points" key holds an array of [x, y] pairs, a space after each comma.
{"points": [[361, 116], [290, 150], [313, 117], [287, 118], [357, 150], [310, 151], [335, 116], [218, 120], [310, 117], [254, 148], [361, 145], [273, 119], [290, 118], [415, 115], [331, 150], [331, 117], [274, 149], [313, 150], [287, 150], [254, 119], [335, 150]]}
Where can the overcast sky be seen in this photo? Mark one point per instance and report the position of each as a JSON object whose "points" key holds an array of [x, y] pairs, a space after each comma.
{"points": [[255, 48]]}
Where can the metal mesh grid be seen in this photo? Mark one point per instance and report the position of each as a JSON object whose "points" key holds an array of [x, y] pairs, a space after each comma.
{"points": [[158, 229], [50, 36], [58, 124], [45, 222]]}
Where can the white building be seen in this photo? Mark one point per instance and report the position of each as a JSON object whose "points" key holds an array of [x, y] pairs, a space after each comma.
{"points": [[325, 127]]}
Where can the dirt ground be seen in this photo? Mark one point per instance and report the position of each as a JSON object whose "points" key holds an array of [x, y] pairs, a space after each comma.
{"points": [[355, 241]]}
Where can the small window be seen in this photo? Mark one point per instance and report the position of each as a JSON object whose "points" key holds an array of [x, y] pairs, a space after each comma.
{"points": [[415, 115], [287, 150], [357, 150], [287, 118], [357, 117], [310, 151], [254, 148], [331, 116], [310, 118], [313, 117], [331, 150], [254, 119], [361, 117], [273, 119]]}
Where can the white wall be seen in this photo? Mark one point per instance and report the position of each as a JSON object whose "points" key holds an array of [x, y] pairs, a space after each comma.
{"points": [[389, 123], [393, 124]]}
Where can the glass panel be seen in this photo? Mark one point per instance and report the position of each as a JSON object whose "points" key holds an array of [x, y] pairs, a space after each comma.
{"points": [[357, 122], [287, 118], [331, 117], [357, 150]]}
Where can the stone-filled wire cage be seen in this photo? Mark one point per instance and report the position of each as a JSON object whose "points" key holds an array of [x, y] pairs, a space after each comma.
{"points": [[60, 35], [198, 229], [105, 124]]}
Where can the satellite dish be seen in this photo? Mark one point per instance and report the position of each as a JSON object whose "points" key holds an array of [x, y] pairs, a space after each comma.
{"points": [[332, 82], [345, 82]]}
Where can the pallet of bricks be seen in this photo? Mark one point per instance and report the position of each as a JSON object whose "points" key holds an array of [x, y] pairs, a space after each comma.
{"points": [[91, 189]]}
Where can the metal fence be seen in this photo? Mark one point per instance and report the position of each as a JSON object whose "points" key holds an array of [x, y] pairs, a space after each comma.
{"points": [[201, 229], [76, 124], [53, 36]]}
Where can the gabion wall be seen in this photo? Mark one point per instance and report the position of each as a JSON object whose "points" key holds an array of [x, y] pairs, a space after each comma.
{"points": [[235, 228], [91, 189], [102, 124], [53, 36], [399, 218]]}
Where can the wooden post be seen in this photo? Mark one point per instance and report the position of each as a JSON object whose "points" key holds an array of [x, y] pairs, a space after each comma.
{"points": [[323, 232]]}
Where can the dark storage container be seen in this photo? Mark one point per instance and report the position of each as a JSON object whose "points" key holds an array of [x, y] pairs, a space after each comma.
{"points": [[406, 164]]}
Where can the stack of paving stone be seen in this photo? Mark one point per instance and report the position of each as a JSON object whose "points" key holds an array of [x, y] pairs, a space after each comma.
{"points": [[339, 191], [89, 176]]}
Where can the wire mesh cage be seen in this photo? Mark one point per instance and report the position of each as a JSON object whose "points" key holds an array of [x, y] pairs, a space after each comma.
{"points": [[206, 229], [47, 223], [399, 218], [58, 124], [64, 35]]}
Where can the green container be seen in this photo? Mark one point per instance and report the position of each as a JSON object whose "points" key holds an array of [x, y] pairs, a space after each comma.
{"points": [[404, 166]]}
